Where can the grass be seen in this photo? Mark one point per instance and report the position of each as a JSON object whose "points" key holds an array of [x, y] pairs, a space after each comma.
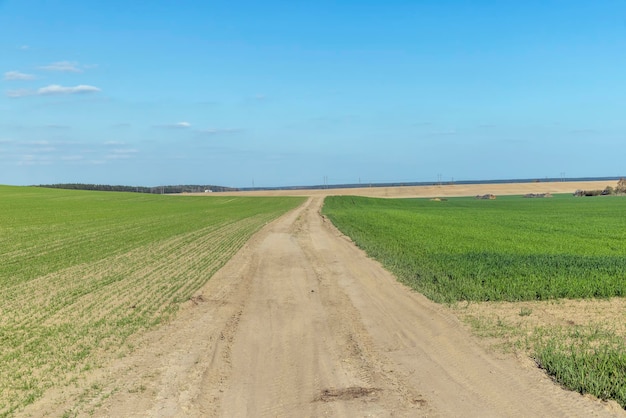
{"points": [[510, 249], [586, 360], [82, 271]]}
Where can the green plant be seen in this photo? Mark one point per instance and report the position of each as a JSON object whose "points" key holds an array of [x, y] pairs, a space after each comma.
{"points": [[82, 271], [510, 249], [525, 311], [507, 249], [586, 360]]}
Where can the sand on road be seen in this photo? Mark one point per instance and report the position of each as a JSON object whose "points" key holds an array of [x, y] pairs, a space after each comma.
{"points": [[300, 323]]}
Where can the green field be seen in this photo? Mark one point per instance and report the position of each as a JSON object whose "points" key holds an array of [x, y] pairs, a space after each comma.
{"points": [[82, 271], [509, 249]]}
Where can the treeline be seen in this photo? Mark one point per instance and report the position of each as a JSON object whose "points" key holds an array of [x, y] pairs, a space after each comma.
{"points": [[185, 188]]}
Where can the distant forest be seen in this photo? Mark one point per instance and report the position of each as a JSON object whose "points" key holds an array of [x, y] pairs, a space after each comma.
{"points": [[185, 188]]}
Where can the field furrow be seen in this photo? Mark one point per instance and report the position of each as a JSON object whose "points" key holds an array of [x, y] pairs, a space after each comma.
{"points": [[69, 303]]}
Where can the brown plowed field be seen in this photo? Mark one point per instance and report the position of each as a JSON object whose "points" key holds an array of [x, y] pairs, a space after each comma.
{"points": [[300, 323]]}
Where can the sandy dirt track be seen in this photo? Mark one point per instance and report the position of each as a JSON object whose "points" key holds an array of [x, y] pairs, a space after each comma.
{"points": [[300, 323]]}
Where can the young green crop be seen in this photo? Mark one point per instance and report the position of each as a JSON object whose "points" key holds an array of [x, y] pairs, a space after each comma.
{"points": [[82, 271], [509, 249], [588, 359], [505, 249]]}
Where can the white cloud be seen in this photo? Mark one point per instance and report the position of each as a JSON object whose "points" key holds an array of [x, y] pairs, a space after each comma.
{"points": [[44, 150], [56, 89], [20, 93], [117, 143], [121, 153], [218, 131], [63, 66], [16, 75], [53, 90], [29, 159]]}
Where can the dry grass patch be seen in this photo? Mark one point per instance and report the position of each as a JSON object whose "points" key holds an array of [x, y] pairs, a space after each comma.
{"points": [[580, 343]]}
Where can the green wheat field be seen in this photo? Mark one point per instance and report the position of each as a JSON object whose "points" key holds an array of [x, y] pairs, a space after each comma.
{"points": [[82, 271], [465, 250]]}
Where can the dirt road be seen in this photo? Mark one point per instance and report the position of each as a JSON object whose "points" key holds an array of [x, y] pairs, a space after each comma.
{"points": [[300, 323]]}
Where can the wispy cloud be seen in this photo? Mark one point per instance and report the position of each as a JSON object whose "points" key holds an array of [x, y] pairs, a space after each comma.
{"points": [[177, 125], [16, 75], [121, 153], [56, 89], [37, 142], [30, 159], [72, 157], [53, 90], [63, 66], [114, 143], [218, 131], [20, 93]]}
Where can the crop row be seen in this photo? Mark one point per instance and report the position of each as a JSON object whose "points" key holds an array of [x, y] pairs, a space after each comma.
{"points": [[507, 249], [510, 249], [116, 264]]}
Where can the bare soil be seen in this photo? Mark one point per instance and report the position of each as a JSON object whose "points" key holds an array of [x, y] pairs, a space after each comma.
{"points": [[444, 190], [300, 323]]}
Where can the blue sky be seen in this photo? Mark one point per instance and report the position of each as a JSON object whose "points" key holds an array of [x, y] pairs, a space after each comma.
{"points": [[279, 93]]}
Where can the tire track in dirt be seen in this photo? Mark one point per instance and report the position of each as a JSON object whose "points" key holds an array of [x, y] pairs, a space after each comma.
{"points": [[293, 356], [301, 323]]}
